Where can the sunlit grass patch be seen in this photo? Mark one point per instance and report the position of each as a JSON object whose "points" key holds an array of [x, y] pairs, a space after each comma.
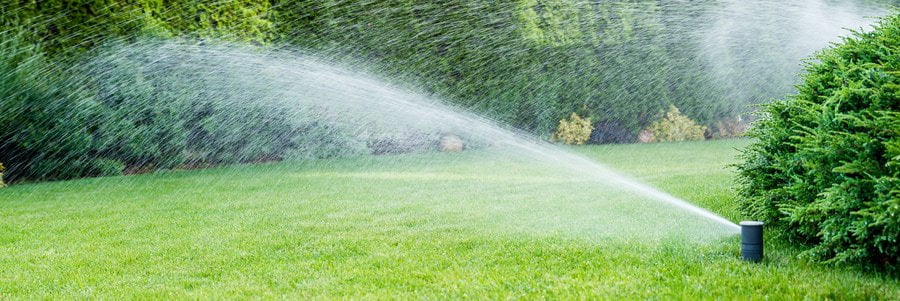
{"points": [[428, 225]]}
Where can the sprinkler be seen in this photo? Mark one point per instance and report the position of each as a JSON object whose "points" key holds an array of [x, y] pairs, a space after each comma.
{"points": [[752, 241]]}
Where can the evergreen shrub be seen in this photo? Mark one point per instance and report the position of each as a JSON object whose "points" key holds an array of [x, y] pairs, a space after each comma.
{"points": [[70, 26], [825, 166], [43, 124]]}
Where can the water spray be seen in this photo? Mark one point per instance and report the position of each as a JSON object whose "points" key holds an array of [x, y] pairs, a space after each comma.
{"points": [[353, 108], [752, 241]]}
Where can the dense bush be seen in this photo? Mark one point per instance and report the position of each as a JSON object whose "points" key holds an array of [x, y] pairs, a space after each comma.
{"points": [[528, 63], [64, 117], [574, 130], [2, 169], [42, 124], [144, 106], [524, 62], [163, 106], [674, 126], [69, 26], [826, 163]]}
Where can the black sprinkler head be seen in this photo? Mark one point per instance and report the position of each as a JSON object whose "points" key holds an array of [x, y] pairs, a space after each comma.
{"points": [[752, 241]]}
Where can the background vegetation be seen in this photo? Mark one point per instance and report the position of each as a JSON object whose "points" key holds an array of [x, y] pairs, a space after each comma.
{"points": [[68, 27], [527, 63], [674, 126], [826, 164], [574, 130], [74, 109]]}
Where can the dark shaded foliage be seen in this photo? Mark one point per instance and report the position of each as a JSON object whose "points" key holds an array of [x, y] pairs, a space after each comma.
{"points": [[41, 124], [528, 63], [611, 131]]}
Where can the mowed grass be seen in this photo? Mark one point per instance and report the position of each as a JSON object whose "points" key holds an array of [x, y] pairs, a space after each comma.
{"points": [[473, 224]]}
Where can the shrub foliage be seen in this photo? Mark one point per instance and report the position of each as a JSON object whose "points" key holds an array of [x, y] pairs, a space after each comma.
{"points": [[42, 126], [160, 113], [674, 126], [826, 163], [67, 26], [528, 63], [63, 117], [575, 130]]}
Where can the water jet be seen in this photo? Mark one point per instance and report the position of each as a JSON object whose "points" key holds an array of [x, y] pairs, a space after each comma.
{"points": [[338, 111]]}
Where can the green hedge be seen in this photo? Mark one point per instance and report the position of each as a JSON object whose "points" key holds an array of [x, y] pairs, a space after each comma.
{"points": [[71, 26], [64, 117], [528, 63], [42, 120], [826, 165], [136, 107]]}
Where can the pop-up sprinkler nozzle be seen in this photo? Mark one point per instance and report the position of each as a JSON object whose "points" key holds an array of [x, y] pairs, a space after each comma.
{"points": [[752, 240]]}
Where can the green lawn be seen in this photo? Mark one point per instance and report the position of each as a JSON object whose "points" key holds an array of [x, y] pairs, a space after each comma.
{"points": [[472, 224]]}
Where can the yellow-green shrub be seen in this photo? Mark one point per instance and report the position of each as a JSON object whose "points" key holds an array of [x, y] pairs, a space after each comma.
{"points": [[674, 126], [2, 168], [575, 130]]}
